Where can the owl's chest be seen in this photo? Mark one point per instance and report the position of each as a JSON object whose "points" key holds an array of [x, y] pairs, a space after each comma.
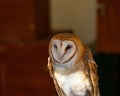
{"points": [[73, 84]]}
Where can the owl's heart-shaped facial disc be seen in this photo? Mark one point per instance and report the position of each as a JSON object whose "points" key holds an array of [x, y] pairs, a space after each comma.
{"points": [[63, 50]]}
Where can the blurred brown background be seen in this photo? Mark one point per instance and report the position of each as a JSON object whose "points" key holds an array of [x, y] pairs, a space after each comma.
{"points": [[23, 58], [26, 27]]}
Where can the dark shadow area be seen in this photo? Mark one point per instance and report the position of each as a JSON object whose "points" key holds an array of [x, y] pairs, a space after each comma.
{"points": [[108, 73]]}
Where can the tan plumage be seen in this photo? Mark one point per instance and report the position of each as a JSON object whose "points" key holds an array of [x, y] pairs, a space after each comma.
{"points": [[72, 67]]}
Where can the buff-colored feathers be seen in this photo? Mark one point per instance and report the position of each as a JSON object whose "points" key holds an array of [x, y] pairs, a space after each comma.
{"points": [[72, 67]]}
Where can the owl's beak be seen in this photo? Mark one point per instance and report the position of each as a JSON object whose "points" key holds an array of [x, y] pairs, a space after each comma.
{"points": [[60, 56]]}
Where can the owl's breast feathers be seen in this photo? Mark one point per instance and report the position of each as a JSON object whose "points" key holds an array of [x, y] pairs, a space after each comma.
{"points": [[74, 84]]}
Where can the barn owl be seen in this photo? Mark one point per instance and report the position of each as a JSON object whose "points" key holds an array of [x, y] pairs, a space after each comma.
{"points": [[71, 66]]}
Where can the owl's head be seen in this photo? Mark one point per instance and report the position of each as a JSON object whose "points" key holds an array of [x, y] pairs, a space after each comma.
{"points": [[63, 47]]}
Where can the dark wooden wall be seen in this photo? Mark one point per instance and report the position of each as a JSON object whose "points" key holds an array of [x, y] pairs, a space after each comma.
{"points": [[16, 20], [42, 19], [23, 70], [24, 20], [23, 60], [108, 25]]}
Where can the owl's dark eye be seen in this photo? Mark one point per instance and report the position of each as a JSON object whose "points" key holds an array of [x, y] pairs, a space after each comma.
{"points": [[68, 47], [55, 46]]}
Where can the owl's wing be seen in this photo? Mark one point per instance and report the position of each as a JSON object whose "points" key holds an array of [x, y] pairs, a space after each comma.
{"points": [[93, 73], [60, 92]]}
